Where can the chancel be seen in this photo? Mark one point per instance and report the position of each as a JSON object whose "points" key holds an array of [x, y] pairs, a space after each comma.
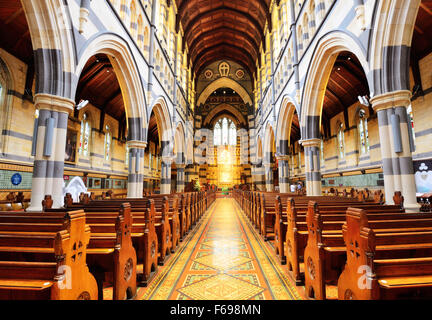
{"points": [[215, 150]]}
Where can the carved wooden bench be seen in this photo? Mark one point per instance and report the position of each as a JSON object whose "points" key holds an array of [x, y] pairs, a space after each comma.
{"points": [[46, 265]]}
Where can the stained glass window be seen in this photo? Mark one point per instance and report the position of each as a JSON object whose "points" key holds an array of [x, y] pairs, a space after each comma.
{"points": [[299, 159], [322, 152], [217, 134], [411, 121], [85, 136], [363, 132], [127, 155], [232, 135], [341, 141], [107, 142], [292, 164], [225, 133]]}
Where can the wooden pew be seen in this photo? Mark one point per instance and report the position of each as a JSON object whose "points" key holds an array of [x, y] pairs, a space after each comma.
{"points": [[267, 211], [325, 252], [144, 236], [109, 251], [296, 225], [170, 205], [280, 219], [35, 265], [162, 219], [377, 268]]}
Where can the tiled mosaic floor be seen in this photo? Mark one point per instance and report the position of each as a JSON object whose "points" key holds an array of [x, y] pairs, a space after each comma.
{"points": [[222, 259]]}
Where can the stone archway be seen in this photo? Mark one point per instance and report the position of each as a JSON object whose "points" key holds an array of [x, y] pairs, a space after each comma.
{"points": [[318, 75], [284, 125], [221, 83], [269, 153], [166, 138], [128, 76], [324, 58], [180, 157], [283, 141]]}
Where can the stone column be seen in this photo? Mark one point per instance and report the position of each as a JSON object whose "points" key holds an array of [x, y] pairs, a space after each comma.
{"points": [[190, 173], [165, 187], [136, 169], [48, 169], [258, 177], [312, 166], [180, 178], [284, 174], [269, 181], [396, 146]]}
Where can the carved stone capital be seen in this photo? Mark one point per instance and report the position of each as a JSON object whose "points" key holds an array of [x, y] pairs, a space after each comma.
{"points": [[401, 98], [44, 101], [282, 157], [137, 144], [311, 142]]}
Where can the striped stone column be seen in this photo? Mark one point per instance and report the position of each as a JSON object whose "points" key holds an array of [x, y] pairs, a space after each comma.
{"points": [[165, 186], [284, 174], [190, 173], [180, 178], [312, 166], [269, 181], [258, 177], [397, 146], [136, 169], [48, 169]]}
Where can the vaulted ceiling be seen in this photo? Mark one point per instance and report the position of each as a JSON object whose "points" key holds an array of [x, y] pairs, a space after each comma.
{"points": [[15, 34], [223, 29], [346, 83], [422, 40]]}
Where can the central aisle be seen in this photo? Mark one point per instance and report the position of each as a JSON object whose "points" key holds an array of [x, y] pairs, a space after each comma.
{"points": [[223, 258]]}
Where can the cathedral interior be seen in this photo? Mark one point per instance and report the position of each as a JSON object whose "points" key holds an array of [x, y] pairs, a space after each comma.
{"points": [[237, 132]]}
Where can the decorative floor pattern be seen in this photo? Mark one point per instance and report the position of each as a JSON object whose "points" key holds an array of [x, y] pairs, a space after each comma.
{"points": [[222, 259]]}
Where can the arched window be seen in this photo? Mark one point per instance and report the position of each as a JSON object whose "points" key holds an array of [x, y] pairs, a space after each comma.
{"points": [[85, 136], [341, 141], [292, 165], [127, 156], [2, 103], [411, 122], [225, 133], [107, 143], [6, 84], [363, 132], [322, 153], [299, 159]]}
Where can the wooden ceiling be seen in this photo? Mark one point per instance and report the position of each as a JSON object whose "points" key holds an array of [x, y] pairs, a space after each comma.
{"points": [[15, 34], [216, 98], [223, 29], [99, 85], [295, 129], [346, 83], [153, 133], [422, 37]]}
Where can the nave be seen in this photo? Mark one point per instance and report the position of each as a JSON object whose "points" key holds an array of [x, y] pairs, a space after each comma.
{"points": [[223, 259]]}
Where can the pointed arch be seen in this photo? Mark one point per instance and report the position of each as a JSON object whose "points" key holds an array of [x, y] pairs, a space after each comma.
{"points": [[180, 144], [324, 57], [163, 120], [284, 124], [221, 83], [52, 17], [128, 77], [238, 116], [269, 143], [391, 40]]}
